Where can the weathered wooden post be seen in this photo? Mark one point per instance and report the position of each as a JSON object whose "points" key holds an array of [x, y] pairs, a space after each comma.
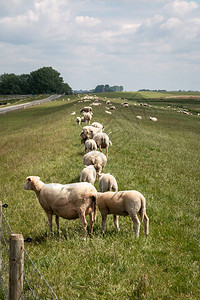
{"points": [[16, 267]]}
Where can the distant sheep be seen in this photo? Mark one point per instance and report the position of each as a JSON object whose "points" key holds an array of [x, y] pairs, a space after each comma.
{"points": [[108, 112], [153, 119], [139, 117], [90, 145], [123, 203], [86, 109], [96, 158], [88, 174], [78, 120], [69, 201], [102, 141]]}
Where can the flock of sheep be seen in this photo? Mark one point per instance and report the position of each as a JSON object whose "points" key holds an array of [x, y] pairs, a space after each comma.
{"points": [[76, 200]]}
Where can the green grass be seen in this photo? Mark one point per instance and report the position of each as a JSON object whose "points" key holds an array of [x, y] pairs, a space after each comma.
{"points": [[159, 159]]}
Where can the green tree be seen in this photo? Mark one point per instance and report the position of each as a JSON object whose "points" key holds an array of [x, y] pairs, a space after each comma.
{"points": [[9, 84], [46, 80]]}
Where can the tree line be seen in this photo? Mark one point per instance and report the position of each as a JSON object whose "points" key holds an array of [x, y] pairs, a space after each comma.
{"points": [[45, 80], [106, 88]]}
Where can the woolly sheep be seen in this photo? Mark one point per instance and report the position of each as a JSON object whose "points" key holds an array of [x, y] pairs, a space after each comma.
{"points": [[86, 109], [69, 201], [78, 120], [98, 125], [107, 182], [102, 141], [88, 174], [87, 117], [153, 119], [90, 145], [123, 203], [88, 132], [139, 117], [96, 158]]}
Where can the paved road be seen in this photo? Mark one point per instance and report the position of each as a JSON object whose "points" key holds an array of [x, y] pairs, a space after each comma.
{"points": [[12, 108]]}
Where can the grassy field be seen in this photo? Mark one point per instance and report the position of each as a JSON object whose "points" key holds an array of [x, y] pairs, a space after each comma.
{"points": [[159, 159]]}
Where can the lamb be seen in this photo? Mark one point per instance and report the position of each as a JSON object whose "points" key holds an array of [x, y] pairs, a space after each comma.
{"points": [[123, 203], [90, 145], [86, 109], [102, 141], [78, 120], [88, 133], [96, 158], [98, 125], [88, 174], [69, 201]]}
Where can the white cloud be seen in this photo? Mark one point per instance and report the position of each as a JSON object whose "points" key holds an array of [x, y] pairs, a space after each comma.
{"points": [[88, 21], [101, 40]]}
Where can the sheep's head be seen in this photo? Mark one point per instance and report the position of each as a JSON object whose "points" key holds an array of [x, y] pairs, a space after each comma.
{"points": [[31, 182]]}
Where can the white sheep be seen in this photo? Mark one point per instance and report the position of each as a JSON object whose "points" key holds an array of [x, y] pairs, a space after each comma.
{"points": [[139, 117], [87, 117], [88, 132], [153, 119], [90, 145], [108, 112], [88, 174], [86, 109], [69, 201], [123, 203], [102, 140], [107, 182], [78, 120], [96, 158], [98, 125]]}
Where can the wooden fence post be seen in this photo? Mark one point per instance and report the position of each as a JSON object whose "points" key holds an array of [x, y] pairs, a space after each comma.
{"points": [[16, 267]]}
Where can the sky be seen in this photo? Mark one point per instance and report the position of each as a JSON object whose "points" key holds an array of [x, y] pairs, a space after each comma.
{"points": [[137, 44]]}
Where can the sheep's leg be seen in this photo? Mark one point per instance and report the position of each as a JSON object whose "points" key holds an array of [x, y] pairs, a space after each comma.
{"points": [[107, 151], [104, 217], [91, 224], [136, 222], [49, 216], [84, 224], [100, 148], [146, 224], [57, 223], [116, 221]]}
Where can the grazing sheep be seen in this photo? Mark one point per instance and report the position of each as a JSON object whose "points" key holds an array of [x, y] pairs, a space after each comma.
{"points": [[125, 104], [107, 182], [88, 133], [112, 107], [87, 117], [108, 112], [88, 174], [73, 113], [86, 109], [108, 102], [78, 120], [123, 203], [98, 125], [90, 145], [96, 158], [153, 119], [139, 117], [102, 141], [69, 201]]}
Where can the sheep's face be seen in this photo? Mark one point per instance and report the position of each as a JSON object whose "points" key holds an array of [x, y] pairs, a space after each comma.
{"points": [[28, 183]]}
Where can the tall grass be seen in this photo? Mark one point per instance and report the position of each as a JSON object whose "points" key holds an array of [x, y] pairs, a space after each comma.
{"points": [[159, 159]]}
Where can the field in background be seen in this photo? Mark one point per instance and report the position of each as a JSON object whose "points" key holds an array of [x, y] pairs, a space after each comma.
{"points": [[159, 159]]}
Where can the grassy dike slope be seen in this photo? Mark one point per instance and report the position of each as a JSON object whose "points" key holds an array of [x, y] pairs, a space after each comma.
{"points": [[159, 159]]}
